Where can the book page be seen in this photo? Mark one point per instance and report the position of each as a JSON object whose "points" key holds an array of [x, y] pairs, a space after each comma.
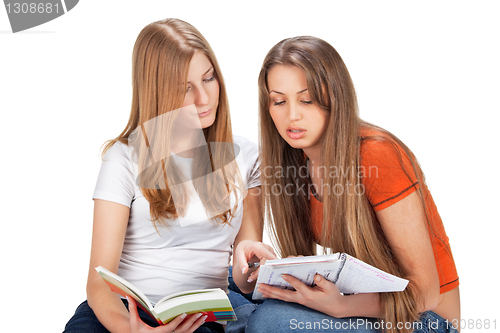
{"points": [[359, 277], [185, 293], [121, 286], [304, 260], [302, 268], [214, 302]]}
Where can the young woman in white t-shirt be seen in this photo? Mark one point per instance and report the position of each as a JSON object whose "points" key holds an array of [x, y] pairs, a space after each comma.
{"points": [[168, 204]]}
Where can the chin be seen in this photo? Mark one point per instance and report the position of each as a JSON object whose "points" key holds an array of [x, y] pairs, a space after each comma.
{"points": [[298, 145], [205, 123]]}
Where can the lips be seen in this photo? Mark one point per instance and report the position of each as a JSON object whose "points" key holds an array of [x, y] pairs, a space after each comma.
{"points": [[204, 113], [295, 132]]}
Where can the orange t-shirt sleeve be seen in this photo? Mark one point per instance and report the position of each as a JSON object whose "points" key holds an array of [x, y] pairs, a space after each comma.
{"points": [[388, 177], [385, 181]]}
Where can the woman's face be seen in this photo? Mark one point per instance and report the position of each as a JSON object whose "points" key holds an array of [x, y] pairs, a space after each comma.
{"points": [[300, 122], [202, 89]]}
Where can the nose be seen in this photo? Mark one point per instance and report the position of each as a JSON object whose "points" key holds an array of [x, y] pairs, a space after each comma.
{"points": [[201, 97], [294, 112]]}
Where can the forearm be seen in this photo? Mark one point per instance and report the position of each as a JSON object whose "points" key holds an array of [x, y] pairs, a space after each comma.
{"points": [[360, 305], [241, 279], [248, 244], [109, 308], [368, 305], [426, 292]]}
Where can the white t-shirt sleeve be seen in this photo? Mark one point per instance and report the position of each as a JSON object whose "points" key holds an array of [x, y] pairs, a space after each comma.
{"points": [[116, 181], [250, 153]]}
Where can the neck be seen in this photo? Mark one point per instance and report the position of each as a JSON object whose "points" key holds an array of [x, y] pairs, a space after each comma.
{"points": [[314, 155], [183, 144], [314, 164]]}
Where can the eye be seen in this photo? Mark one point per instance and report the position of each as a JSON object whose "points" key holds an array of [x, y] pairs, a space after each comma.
{"points": [[307, 102], [209, 79], [188, 89], [278, 103]]}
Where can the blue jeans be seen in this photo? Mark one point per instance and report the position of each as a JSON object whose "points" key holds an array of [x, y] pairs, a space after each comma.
{"points": [[242, 304], [277, 316], [85, 321]]}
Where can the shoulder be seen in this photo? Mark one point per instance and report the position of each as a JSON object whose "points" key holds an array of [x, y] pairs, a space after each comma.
{"points": [[378, 146], [244, 144], [116, 180], [248, 149], [117, 151], [117, 158], [386, 167], [248, 157], [375, 139]]}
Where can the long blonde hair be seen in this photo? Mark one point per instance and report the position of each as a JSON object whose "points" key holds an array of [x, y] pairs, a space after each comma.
{"points": [[160, 65], [349, 223]]}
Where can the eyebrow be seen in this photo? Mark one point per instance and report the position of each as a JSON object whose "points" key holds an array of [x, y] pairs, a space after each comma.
{"points": [[212, 67], [277, 92]]}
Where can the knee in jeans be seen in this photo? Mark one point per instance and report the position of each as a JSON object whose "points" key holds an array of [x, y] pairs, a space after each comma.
{"points": [[271, 316]]}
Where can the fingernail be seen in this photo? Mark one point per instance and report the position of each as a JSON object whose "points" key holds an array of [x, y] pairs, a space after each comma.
{"points": [[205, 318], [318, 278], [284, 277], [183, 315], [199, 315], [243, 270], [250, 280]]}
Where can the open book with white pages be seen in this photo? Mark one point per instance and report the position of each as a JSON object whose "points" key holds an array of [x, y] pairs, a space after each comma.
{"points": [[351, 275], [213, 303]]}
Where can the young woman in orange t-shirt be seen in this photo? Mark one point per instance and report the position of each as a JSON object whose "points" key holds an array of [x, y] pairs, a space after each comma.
{"points": [[363, 193]]}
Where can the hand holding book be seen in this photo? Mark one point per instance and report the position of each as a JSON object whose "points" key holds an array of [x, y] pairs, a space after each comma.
{"points": [[349, 274], [179, 323], [321, 283], [213, 303], [324, 296]]}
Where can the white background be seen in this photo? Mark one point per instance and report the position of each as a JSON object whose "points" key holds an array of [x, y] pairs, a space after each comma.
{"points": [[428, 71]]}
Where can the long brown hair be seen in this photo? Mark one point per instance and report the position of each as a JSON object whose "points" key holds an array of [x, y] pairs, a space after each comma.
{"points": [[349, 223], [160, 65]]}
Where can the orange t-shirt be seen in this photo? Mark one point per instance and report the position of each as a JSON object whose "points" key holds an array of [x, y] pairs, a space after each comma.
{"points": [[386, 183]]}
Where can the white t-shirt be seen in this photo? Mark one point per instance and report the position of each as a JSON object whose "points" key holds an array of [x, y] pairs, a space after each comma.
{"points": [[184, 256]]}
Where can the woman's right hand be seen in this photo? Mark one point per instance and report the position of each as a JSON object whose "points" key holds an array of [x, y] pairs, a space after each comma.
{"points": [[180, 324], [250, 251]]}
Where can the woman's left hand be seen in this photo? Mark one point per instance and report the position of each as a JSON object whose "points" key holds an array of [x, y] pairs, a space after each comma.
{"points": [[180, 324], [324, 296]]}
